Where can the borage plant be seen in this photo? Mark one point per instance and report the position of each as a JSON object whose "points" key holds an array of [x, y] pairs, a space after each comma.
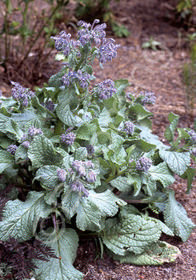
{"points": [[78, 158]]}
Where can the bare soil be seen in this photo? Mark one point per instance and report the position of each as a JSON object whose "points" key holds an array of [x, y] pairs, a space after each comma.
{"points": [[159, 71]]}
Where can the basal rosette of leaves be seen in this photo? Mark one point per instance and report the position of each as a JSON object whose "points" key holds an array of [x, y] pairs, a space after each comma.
{"points": [[80, 158]]}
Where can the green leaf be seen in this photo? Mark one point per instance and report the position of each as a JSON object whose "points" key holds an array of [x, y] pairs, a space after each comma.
{"points": [[162, 174], [139, 112], [136, 181], [130, 233], [80, 153], [88, 216], [20, 218], [175, 217], [177, 162], [121, 183], [42, 152], [6, 160], [143, 145], [170, 130], [70, 203], [65, 246], [95, 207], [158, 254], [104, 119], [66, 116], [189, 175], [47, 175], [21, 153]]}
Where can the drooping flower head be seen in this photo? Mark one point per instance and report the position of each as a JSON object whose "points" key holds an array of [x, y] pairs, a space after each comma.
{"points": [[149, 97], [68, 138], [128, 127], [107, 50], [12, 149], [91, 33], [143, 164], [105, 89], [62, 174], [80, 77], [192, 134], [90, 149], [21, 94], [64, 43]]}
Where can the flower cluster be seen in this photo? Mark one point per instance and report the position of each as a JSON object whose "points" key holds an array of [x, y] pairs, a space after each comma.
{"points": [[62, 174], [82, 78], [128, 127], [79, 172], [12, 149], [107, 50], [68, 138], [90, 149], [21, 94], [143, 164], [192, 134], [91, 33], [105, 89], [27, 138], [149, 97], [64, 44], [49, 105]]}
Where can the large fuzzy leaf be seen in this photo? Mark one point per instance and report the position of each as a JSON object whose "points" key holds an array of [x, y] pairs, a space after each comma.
{"points": [[91, 210], [158, 254], [47, 175], [177, 162], [121, 184], [162, 174], [70, 203], [6, 160], [130, 233], [175, 217], [20, 218], [66, 116], [42, 152], [65, 245]]}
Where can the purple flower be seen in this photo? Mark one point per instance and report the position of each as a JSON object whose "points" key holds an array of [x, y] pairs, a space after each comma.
{"points": [[64, 44], [91, 33], [105, 89], [68, 139], [21, 94], [33, 131], [89, 164], [61, 173], [143, 164], [77, 186], [26, 144], [91, 178], [90, 149], [78, 166], [81, 77], [149, 97], [12, 149], [107, 50], [24, 137], [49, 105], [128, 127], [192, 134]]}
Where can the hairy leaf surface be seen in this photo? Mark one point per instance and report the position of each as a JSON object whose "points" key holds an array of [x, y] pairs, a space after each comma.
{"points": [[20, 218], [65, 245], [175, 217]]}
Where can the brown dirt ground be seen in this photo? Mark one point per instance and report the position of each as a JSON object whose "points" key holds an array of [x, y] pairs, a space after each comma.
{"points": [[159, 71]]}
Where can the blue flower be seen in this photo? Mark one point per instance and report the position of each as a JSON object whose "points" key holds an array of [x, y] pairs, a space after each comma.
{"points": [[105, 89], [68, 138], [12, 149]]}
